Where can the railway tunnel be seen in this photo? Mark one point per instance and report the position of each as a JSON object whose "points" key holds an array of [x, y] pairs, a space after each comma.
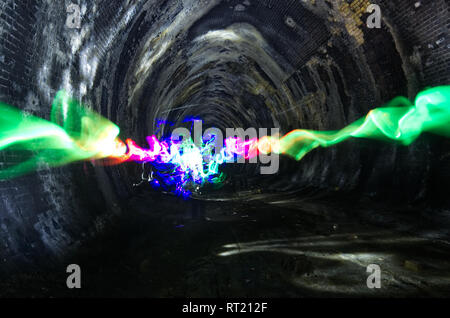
{"points": [[310, 229]]}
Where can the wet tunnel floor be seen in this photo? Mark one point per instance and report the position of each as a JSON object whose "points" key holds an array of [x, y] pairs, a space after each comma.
{"points": [[268, 247]]}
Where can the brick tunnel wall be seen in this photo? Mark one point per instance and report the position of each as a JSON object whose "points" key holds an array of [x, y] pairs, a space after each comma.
{"points": [[42, 215], [361, 68]]}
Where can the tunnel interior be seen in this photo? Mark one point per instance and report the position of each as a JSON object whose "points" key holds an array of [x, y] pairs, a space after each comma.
{"points": [[310, 229]]}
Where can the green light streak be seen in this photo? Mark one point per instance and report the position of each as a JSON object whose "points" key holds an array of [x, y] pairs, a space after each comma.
{"points": [[398, 121], [75, 133]]}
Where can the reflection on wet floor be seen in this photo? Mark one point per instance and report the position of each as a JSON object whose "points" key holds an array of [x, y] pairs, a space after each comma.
{"points": [[269, 247], [338, 263]]}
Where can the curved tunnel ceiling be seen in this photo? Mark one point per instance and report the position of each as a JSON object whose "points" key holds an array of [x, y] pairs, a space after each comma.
{"points": [[268, 63]]}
